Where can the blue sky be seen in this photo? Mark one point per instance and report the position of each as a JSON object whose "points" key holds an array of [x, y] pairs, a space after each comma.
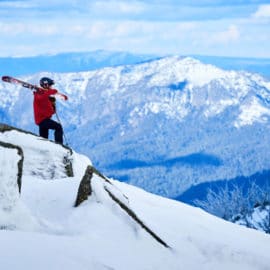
{"points": [[239, 28]]}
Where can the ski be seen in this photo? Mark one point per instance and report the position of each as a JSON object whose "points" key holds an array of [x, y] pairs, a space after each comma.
{"points": [[30, 86], [12, 80]]}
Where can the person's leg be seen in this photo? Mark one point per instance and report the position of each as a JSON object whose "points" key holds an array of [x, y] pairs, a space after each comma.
{"points": [[47, 124], [58, 133], [44, 129]]}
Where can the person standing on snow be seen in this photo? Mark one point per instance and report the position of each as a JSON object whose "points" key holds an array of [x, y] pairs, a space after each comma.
{"points": [[44, 108]]}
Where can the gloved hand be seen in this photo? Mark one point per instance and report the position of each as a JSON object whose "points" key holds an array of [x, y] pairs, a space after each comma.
{"points": [[62, 96]]}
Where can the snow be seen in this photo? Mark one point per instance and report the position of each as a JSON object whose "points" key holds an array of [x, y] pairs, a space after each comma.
{"points": [[251, 112], [155, 112], [9, 190], [53, 154], [48, 232]]}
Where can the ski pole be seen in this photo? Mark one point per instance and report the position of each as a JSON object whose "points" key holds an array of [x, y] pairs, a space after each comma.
{"points": [[58, 119]]}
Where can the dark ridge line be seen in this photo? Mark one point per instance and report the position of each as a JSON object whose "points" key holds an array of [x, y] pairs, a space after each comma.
{"points": [[135, 217], [20, 162]]}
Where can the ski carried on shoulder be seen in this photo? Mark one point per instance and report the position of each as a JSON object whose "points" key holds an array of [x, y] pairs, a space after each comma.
{"points": [[12, 80], [30, 86]]}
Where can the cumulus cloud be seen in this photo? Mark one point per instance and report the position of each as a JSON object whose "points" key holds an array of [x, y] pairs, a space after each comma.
{"points": [[216, 38], [263, 11], [39, 29], [229, 35]]}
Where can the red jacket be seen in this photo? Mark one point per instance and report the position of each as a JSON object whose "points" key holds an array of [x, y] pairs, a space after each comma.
{"points": [[43, 107]]}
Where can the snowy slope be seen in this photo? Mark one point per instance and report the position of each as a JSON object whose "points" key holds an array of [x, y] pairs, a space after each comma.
{"points": [[164, 125], [48, 232]]}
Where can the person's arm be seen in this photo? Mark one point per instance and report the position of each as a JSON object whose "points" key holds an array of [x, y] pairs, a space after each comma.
{"points": [[61, 96], [54, 92], [51, 92]]}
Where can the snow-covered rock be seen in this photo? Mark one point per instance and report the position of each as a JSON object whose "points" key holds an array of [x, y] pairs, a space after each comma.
{"points": [[11, 158], [53, 162], [48, 232], [258, 219]]}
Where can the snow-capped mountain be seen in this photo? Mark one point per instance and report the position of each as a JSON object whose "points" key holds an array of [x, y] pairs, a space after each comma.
{"points": [[41, 227], [163, 125]]}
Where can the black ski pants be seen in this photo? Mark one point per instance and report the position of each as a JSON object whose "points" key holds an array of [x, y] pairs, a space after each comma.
{"points": [[47, 124]]}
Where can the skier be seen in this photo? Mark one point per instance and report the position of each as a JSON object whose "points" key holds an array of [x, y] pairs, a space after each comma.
{"points": [[44, 108]]}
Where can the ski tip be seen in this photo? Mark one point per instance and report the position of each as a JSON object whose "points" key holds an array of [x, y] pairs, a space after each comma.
{"points": [[5, 78]]}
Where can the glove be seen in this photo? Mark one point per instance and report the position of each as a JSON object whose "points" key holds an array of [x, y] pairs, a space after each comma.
{"points": [[65, 97], [62, 96]]}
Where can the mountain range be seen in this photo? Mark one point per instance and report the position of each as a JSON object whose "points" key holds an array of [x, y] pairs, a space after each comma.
{"points": [[85, 61], [165, 125], [68, 62]]}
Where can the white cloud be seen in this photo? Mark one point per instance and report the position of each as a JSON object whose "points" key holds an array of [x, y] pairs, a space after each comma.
{"points": [[230, 35], [119, 6], [39, 29], [15, 4], [132, 25], [263, 11]]}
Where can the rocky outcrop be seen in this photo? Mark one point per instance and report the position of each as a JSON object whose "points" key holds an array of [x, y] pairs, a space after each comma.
{"points": [[11, 158], [85, 190], [55, 160], [36, 157], [19, 171], [5, 127]]}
